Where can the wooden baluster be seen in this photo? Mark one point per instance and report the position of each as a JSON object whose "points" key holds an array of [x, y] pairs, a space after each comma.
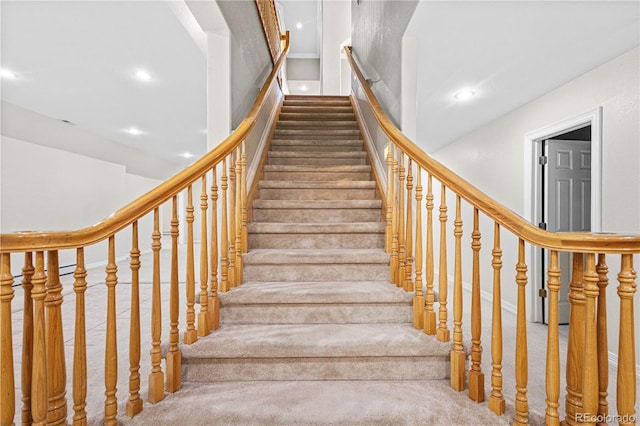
{"points": [[590, 349], [214, 301], [476, 377], [243, 161], [111, 344], [56, 366], [458, 357], [443, 332], [402, 254], [224, 248], [575, 343], [190, 335], [7, 388], [80, 343], [394, 220], [496, 399], [174, 359], [418, 299], [27, 338], [156, 378], [238, 245], [626, 386], [39, 393], [388, 235], [232, 222], [204, 325], [430, 297], [552, 416], [134, 403], [522, 363], [408, 282], [603, 347]]}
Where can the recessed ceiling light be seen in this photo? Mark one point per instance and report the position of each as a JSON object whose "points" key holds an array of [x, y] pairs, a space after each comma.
{"points": [[299, 25], [464, 95], [304, 88], [8, 73], [142, 75], [134, 131], [188, 155]]}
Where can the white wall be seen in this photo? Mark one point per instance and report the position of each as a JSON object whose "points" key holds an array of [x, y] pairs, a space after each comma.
{"points": [[48, 189], [377, 30], [492, 158], [336, 24]]}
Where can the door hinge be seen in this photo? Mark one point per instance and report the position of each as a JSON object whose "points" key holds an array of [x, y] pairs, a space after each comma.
{"points": [[542, 293], [542, 225], [542, 160]]}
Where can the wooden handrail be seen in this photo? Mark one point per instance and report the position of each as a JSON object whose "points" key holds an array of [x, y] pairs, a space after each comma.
{"points": [[42, 241], [575, 241]]}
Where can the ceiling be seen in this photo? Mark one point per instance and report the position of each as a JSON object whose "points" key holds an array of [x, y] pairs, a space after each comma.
{"points": [[77, 60], [508, 53], [305, 40]]}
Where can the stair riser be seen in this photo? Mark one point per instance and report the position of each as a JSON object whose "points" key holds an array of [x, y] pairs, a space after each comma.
{"points": [[317, 194], [316, 176], [314, 272], [310, 161], [295, 116], [316, 215], [316, 148], [316, 314], [317, 134], [315, 125], [277, 369], [316, 104], [301, 109], [316, 241]]}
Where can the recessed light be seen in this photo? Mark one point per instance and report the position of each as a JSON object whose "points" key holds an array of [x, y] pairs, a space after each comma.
{"points": [[142, 75], [464, 95], [299, 25], [8, 73], [304, 88], [134, 131], [187, 155]]}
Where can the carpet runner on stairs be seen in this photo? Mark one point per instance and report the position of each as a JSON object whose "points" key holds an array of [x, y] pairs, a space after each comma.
{"points": [[316, 334]]}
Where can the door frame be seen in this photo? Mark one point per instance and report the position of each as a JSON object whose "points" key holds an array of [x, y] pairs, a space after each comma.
{"points": [[532, 187]]}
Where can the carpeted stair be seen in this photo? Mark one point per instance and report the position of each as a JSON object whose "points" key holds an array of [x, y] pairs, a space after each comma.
{"points": [[316, 334]]}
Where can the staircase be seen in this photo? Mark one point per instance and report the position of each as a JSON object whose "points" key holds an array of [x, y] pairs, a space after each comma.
{"points": [[316, 334]]}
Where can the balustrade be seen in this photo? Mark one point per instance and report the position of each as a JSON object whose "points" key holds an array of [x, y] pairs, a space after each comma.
{"points": [[587, 364], [43, 364]]}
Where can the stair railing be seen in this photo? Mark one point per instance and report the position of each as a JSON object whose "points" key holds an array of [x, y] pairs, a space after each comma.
{"points": [[587, 365], [43, 364]]}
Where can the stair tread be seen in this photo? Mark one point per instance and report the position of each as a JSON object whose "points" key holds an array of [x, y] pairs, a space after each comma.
{"points": [[316, 184], [316, 168], [315, 292], [323, 227], [335, 402], [316, 340], [336, 141], [311, 154], [317, 204]]}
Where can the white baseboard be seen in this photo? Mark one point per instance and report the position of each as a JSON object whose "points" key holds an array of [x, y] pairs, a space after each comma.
{"points": [[255, 162]]}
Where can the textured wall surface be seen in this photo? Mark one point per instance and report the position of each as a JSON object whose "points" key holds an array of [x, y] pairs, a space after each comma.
{"points": [[376, 35], [250, 58]]}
